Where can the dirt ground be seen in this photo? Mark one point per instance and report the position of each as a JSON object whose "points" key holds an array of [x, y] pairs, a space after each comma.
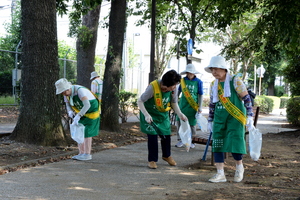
{"points": [[276, 175]]}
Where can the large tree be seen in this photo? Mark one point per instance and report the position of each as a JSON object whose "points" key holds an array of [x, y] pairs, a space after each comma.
{"points": [[113, 71], [86, 46], [39, 121]]}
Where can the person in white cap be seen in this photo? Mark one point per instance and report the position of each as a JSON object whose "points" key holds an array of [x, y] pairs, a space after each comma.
{"points": [[230, 109], [191, 99], [96, 85], [84, 106], [154, 105]]}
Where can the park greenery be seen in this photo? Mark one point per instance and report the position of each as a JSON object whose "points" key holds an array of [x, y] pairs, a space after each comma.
{"points": [[251, 33]]}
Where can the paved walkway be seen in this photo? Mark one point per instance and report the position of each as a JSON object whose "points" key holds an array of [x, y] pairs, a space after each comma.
{"points": [[119, 174]]}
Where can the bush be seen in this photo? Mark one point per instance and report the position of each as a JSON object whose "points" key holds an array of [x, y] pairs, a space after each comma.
{"points": [[265, 103], [276, 102], [127, 101], [279, 90], [7, 100], [283, 102], [205, 102], [293, 111]]}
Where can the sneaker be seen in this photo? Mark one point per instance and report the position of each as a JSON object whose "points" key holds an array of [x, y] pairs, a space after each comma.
{"points": [[152, 165], [192, 146], [218, 178], [179, 144], [170, 160], [75, 157], [238, 176], [84, 157]]}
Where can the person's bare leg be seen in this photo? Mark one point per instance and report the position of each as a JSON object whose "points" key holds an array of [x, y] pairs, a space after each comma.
{"points": [[87, 145], [81, 148]]}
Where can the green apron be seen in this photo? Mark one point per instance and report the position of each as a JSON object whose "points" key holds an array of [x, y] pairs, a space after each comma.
{"points": [[161, 119], [228, 133], [99, 85], [184, 105], [91, 125]]}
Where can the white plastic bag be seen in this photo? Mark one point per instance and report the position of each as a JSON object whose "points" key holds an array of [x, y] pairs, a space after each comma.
{"points": [[185, 134], [202, 122], [255, 143], [77, 132]]}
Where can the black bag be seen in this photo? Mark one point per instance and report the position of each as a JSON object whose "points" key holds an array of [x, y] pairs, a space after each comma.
{"points": [[252, 96]]}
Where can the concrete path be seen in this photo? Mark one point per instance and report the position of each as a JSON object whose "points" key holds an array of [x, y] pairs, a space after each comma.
{"points": [[119, 174]]}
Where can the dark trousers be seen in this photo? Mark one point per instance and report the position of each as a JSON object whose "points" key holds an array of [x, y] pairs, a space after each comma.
{"points": [[153, 147], [219, 157]]}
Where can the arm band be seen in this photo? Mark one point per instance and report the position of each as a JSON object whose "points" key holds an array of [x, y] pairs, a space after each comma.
{"points": [[200, 101], [211, 113], [142, 107], [85, 108], [248, 104], [176, 109]]}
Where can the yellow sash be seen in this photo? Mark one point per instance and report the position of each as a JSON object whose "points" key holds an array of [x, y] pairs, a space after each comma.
{"points": [[158, 97], [230, 107], [188, 96], [92, 115]]}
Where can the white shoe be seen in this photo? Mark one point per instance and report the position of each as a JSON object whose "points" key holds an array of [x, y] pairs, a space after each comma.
{"points": [[239, 175], [193, 145], [218, 178], [75, 157], [84, 157], [179, 144]]}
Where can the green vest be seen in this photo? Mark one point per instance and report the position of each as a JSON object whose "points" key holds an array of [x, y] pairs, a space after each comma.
{"points": [[228, 132], [184, 105], [91, 125], [161, 119]]}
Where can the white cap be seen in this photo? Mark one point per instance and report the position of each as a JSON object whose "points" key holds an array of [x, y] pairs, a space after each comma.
{"points": [[62, 85], [218, 62], [190, 68], [93, 75]]}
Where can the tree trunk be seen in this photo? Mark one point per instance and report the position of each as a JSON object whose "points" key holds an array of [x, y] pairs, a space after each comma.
{"points": [[86, 47], [39, 121], [113, 72], [271, 87]]}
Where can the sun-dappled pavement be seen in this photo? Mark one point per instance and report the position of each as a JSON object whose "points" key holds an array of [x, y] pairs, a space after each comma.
{"points": [[119, 171]]}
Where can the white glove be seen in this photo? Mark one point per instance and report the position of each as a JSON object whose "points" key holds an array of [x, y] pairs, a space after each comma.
{"points": [[249, 123], [76, 120], [210, 127], [199, 110], [148, 119], [182, 117], [71, 114]]}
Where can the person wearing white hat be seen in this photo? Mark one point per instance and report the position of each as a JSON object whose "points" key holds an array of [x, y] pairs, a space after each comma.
{"points": [[230, 109], [96, 85], [83, 106], [191, 99]]}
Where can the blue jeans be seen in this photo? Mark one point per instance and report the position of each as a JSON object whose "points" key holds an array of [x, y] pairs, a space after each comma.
{"points": [[153, 147], [219, 156]]}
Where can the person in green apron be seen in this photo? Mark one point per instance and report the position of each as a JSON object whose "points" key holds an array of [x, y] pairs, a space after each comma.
{"points": [[191, 99], [230, 109], [154, 105], [84, 106], [96, 85]]}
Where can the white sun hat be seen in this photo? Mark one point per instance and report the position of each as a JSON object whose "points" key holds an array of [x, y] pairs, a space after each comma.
{"points": [[93, 75], [190, 68], [218, 62], [62, 85]]}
